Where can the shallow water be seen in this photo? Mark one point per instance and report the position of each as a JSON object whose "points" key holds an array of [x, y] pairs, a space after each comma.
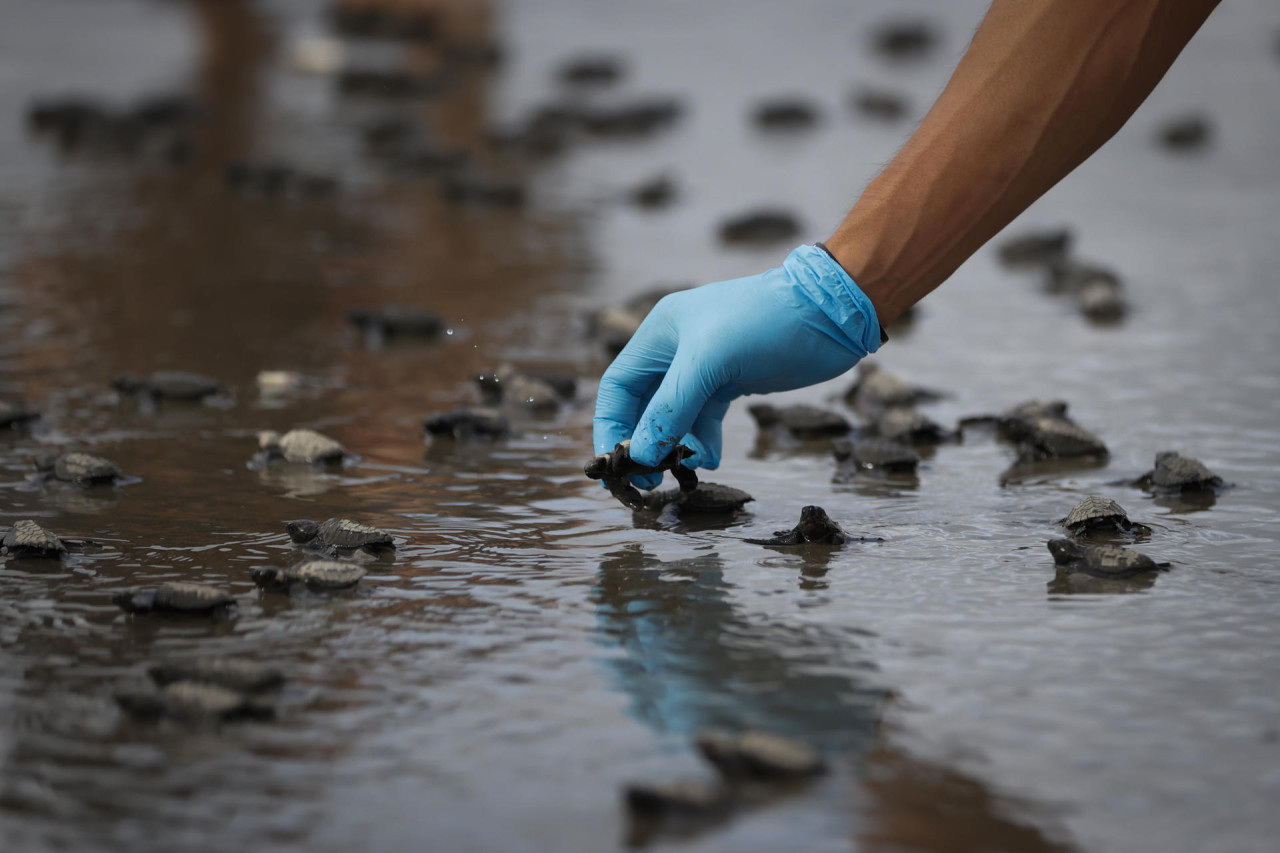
{"points": [[533, 647]]}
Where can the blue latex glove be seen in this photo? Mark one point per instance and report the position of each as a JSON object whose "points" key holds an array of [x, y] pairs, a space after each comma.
{"points": [[796, 325]]}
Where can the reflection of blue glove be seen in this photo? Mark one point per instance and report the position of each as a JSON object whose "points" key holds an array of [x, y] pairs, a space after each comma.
{"points": [[802, 323]]}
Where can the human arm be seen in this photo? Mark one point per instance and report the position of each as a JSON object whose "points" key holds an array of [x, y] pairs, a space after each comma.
{"points": [[1043, 84]]}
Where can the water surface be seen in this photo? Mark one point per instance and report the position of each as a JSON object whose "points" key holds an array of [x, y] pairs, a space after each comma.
{"points": [[533, 647]]}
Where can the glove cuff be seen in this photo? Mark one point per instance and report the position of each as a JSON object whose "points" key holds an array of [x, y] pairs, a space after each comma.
{"points": [[837, 295]]}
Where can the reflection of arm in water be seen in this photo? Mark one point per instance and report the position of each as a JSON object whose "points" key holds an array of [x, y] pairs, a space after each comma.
{"points": [[689, 659], [1041, 87]]}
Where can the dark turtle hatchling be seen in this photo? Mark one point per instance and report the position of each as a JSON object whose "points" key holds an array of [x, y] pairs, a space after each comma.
{"points": [[615, 326], [689, 800], [541, 392], [1101, 301], [396, 321], [591, 70], [877, 389], [174, 385], [1038, 409], [801, 422], [1013, 418], [762, 226], [1101, 561], [15, 415], [786, 114], [339, 534], [1042, 431], [303, 446], [468, 425], [194, 702], [238, 674], [1099, 514], [1072, 277], [174, 597], [815, 527], [878, 104], [613, 469], [1040, 248], [705, 499], [636, 118], [317, 575], [1053, 438], [1177, 473], [83, 469], [28, 539], [658, 191], [756, 755], [875, 454], [907, 426], [904, 39], [1186, 133]]}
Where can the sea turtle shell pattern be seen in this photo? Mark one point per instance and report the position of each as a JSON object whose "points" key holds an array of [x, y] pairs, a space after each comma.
{"points": [[1102, 561], [28, 539]]}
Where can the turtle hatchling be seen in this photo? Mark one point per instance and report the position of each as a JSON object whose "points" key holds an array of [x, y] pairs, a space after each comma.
{"points": [[175, 385], [1042, 431], [1101, 301], [875, 454], [615, 325], [801, 422], [15, 415], [815, 527], [1054, 438], [878, 104], [191, 701], [303, 446], [1099, 514], [705, 499], [1101, 561], [760, 226], [540, 391], [318, 575], [1072, 277], [1012, 417], [1036, 248], [396, 321], [174, 597], [613, 469], [238, 674], [906, 425], [758, 755], [339, 534], [788, 113], [28, 539], [468, 425], [878, 389], [690, 800], [1177, 473], [83, 469]]}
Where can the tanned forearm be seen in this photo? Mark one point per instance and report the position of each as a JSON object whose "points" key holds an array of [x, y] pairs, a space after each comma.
{"points": [[1043, 84]]}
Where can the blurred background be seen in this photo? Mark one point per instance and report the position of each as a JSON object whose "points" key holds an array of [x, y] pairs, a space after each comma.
{"points": [[216, 186]]}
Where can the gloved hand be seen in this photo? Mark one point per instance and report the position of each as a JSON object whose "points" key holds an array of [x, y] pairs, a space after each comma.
{"points": [[796, 325]]}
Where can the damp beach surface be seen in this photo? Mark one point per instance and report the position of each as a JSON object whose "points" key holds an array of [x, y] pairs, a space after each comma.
{"points": [[532, 647]]}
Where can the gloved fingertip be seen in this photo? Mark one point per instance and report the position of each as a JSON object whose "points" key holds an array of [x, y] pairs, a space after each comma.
{"points": [[644, 450], [651, 442], [606, 433]]}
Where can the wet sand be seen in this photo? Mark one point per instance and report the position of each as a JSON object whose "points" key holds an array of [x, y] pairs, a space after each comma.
{"points": [[533, 647]]}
